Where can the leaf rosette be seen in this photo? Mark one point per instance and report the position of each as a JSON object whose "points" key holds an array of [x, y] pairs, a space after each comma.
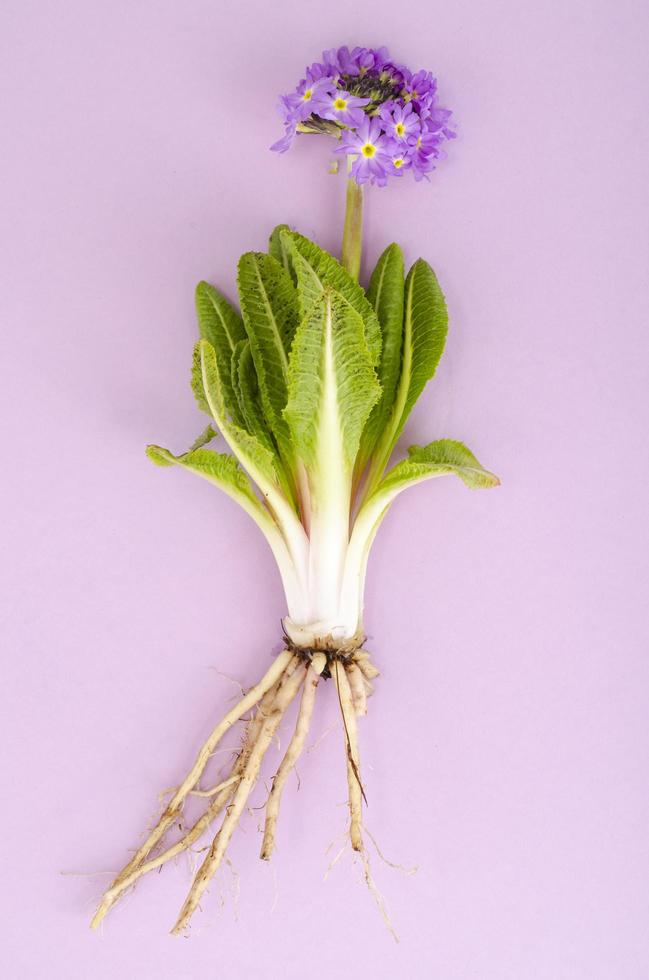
{"points": [[310, 386]]}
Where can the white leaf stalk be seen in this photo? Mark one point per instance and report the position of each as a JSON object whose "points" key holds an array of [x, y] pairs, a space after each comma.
{"points": [[310, 388]]}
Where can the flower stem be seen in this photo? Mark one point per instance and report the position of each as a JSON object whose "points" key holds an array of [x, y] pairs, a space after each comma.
{"points": [[353, 230]]}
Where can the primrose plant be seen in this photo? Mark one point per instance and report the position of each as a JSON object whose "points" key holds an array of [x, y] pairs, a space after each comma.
{"points": [[310, 385]]}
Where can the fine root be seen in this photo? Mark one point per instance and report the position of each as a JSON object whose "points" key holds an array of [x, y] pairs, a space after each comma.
{"points": [[377, 896], [391, 864]]}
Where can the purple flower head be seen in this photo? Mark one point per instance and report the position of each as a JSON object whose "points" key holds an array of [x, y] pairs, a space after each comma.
{"points": [[385, 116]]}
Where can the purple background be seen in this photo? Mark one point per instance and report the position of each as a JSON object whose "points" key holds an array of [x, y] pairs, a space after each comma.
{"points": [[506, 750]]}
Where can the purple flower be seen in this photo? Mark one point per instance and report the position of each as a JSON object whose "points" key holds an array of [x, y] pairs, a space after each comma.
{"points": [[318, 70], [421, 87], [285, 110], [358, 61], [434, 121], [396, 74], [341, 60], [341, 106], [400, 158], [368, 59], [372, 149], [300, 103], [423, 154], [281, 146], [401, 122]]}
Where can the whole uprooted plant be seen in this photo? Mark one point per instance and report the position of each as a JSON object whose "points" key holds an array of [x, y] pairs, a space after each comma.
{"points": [[310, 386]]}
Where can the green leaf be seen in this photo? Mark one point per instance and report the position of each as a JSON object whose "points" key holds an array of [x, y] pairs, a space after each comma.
{"points": [[270, 314], [441, 458], [386, 293], [197, 382], [277, 248], [248, 389], [160, 456], [206, 436], [315, 269], [219, 468], [424, 336], [224, 472], [234, 377], [332, 385], [255, 457], [221, 325]]}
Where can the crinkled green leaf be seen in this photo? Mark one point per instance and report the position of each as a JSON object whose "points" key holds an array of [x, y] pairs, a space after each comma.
{"points": [[197, 382], [386, 293], [221, 325], [441, 458], [277, 248], [234, 377], [160, 456], [248, 389], [332, 385], [424, 335], [206, 436], [315, 269], [270, 313], [224, 472], [219, 468], [255, 457]]}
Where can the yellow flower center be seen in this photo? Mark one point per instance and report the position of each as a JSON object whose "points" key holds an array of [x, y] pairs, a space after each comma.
{"points": [[398, 162], [418, 142], [340, 104], [368, 150], [307, 95], [399, 129]]}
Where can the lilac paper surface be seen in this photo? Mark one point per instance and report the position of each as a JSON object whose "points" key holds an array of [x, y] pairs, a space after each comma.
{"points": [[505, 753]]}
